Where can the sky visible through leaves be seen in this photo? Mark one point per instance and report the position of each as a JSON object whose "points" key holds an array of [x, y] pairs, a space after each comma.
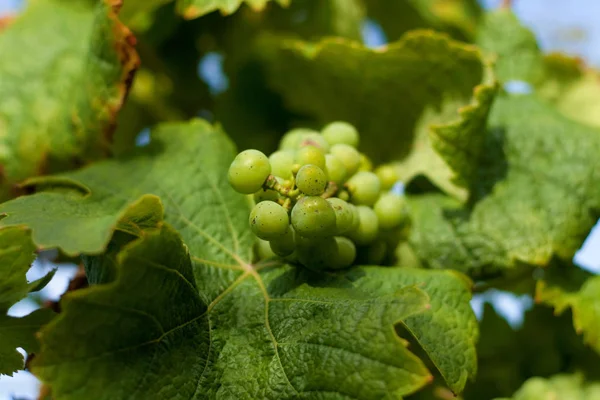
{"points": [[566, 26]]}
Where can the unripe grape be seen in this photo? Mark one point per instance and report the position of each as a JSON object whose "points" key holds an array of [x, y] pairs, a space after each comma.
{"points": [[335, 169], [311, 180], [315, 139], [285, 245], [269, 220], [282, 162], [345, 215], [365, 163], [348, 155], [368, 226], [341, 132], [312, 216], [291, 140], [343, 195], [248, 171], [372, 254], [387, 175], [266, 194], [311, 155], [364, 188], [319, 254], [263, 249], [346, 253], [390, 210]]}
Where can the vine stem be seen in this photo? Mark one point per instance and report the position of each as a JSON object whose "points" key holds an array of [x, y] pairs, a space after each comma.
{"points": [[287, 191], [330, 190]]}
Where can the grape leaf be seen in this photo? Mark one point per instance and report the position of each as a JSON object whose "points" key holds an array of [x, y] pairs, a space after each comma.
{"points": [[59, 101], [186, 165], [566, 286], [533, 193], [275, 332], [449, 307], [457, 17], [564, 81], [572, 87], [517, 54], [336, 79], [193, 8], [20, 332], [16, 255], [558, 387]]}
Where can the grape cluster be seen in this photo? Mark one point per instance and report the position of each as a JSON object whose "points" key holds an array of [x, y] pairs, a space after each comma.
{"points": [[318, 202]]}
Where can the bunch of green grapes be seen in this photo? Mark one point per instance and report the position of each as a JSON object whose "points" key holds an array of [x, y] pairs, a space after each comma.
{"points": [[317, 200]]}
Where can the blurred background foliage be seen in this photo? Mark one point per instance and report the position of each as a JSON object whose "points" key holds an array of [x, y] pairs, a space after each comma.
{"points": [[223, 48]]}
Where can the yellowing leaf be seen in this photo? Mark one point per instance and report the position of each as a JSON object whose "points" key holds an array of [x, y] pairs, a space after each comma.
{"points": [[65, 71]]}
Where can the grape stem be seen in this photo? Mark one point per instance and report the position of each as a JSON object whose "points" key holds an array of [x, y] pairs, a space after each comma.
{"points": [[330, 190], [272, 184], [287, 204]]}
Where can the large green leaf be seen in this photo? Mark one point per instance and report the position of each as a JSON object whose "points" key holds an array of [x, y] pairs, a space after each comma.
{"points": [[16, 255], [277, 332], [60, 95], [193, 8], [336, 79], [196, 8], [517, 56], [186, 165], [566, 286], [534, 193], [564, 81], [457, 17], [450, 294], [558, 387]]}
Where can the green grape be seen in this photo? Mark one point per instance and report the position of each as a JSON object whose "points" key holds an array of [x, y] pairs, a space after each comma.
{"points": [[285, 245], [364, 188], [348, 155], [311, 180], [355, 219], [368, 226], [311, 155], [335, 169], [291, 140], [312, 216], [266, 194], [269, 220], [318, 254], [315, 139], [248, 171], [282, 162], [263, 249], [340, 132], [343, 195], [387, 175], [346, 253], [365, 163], [390, 210], [345, 215]]}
